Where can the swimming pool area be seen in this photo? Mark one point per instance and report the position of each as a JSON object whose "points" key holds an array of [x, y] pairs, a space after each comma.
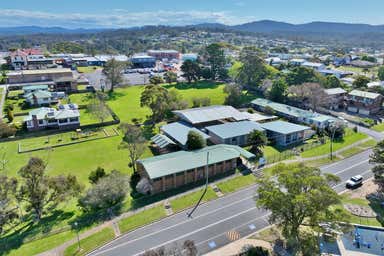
{"points": [[364, 240]]}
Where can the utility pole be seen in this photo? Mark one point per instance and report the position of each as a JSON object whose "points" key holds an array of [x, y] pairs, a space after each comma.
{"points": [[205, 189], [333, 131], [78, 238]]}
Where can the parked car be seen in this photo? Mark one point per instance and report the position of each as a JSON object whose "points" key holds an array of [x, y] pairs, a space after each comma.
{"points": [[355, 181]]}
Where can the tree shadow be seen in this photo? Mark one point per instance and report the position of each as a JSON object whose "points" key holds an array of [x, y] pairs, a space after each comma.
{"points": [[31, 230], [196, 85], [112, 96]]}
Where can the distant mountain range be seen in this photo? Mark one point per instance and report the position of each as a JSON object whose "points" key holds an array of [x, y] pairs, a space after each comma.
{"points": [[263, 26]]}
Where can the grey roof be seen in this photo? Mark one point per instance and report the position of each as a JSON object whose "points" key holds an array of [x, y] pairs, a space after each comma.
{"points": [[208, 114], [51, 113], [230, 130], [38, 94], [284, 127], [179, 132], [335, 91], [162, 141], [369, 95], [35, 87], [291, 111], [163, 165]]}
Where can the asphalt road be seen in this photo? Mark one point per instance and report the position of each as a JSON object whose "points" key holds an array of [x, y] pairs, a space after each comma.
{"points": [[212, 221]]}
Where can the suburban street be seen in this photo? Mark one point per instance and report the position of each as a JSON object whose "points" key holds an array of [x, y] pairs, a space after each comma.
{"points": [[212, 221]]}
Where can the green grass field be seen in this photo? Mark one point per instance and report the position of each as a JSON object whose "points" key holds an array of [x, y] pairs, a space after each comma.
{"points": [[90, 243], [142, 218], [42, 245], [89, 69], [236, 183], [324, 149], [378, 127], [191, 199], [125, 102]]}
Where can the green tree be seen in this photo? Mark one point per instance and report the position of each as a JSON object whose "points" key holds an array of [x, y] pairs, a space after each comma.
{"points": [[113, 71], [234, 95], [257, 139], [214, 55], [170, 77], [106, 193], [97, 174], [191, 70], [332, 82], [253, 70], [361, 82], [298, 196], [278, 90], [195, 141], [97, 107], [8, 208], [40, 191], [156, 80], [300, 75], [378, 170], [156, 98], [254, 251], [380, 73], [134, 142]]}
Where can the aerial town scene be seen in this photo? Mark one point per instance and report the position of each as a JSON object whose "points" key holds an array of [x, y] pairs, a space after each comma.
{"points": [[216, 128]]}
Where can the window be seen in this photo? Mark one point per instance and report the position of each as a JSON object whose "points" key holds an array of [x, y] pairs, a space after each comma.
{"points": [[62, 121], [74, 119], [41, 121]]}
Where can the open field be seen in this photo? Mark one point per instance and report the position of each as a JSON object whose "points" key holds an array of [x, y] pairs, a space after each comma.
{"points": [[89, 69]]}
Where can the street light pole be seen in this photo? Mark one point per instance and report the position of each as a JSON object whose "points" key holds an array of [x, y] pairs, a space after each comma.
{"points": [[205, 189], [333, 131], [78, 238]]}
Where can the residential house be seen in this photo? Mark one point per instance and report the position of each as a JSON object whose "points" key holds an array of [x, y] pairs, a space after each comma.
{"points": [[313, 65], [336, 98], [43, 98], [297, 62], [189, 56], [375, 84], [285, 133], [33, 88], [174, 170], [18, 59], [364, 103], [235, 133], [333, 72], [294, 114], [66, 117]]}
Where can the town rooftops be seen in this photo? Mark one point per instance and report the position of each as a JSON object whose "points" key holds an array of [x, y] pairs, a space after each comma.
{"points": [[179, 132], [335, 91], [283, 127], [209, 114], [39, 94], [289, 110], [172, 163], [312, 64], [363, 94], [162, 141], [230, 130], [40, 71], [163, 51]]}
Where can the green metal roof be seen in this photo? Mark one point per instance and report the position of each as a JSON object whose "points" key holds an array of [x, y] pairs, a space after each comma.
{"points": [[163, 165], [35, 87]]}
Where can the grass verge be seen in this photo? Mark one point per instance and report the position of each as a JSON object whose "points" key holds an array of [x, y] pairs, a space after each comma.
{"points": [[191, 199], [140, 219], [236, 183]]}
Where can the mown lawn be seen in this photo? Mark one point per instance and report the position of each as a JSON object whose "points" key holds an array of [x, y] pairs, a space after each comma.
{"points": [[125, 102], [191, 199], [378, 127], [90, 243], [236, 183], [42, 245], [89, 69], [324, 149], [142, 218]]}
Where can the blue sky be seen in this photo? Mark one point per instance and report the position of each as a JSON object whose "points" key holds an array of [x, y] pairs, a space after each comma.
{"points": [[127, 13]]}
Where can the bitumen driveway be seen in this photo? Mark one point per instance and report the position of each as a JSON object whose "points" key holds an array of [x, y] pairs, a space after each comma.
{"points": [[235, 213]]}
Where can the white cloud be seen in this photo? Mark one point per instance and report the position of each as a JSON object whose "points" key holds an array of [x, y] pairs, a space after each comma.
{"points": [[116, 18]]}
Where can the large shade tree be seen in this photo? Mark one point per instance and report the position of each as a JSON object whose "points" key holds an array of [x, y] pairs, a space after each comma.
{"points": [[252, 70], [40, 191], [298, 196], [113, 71]]}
